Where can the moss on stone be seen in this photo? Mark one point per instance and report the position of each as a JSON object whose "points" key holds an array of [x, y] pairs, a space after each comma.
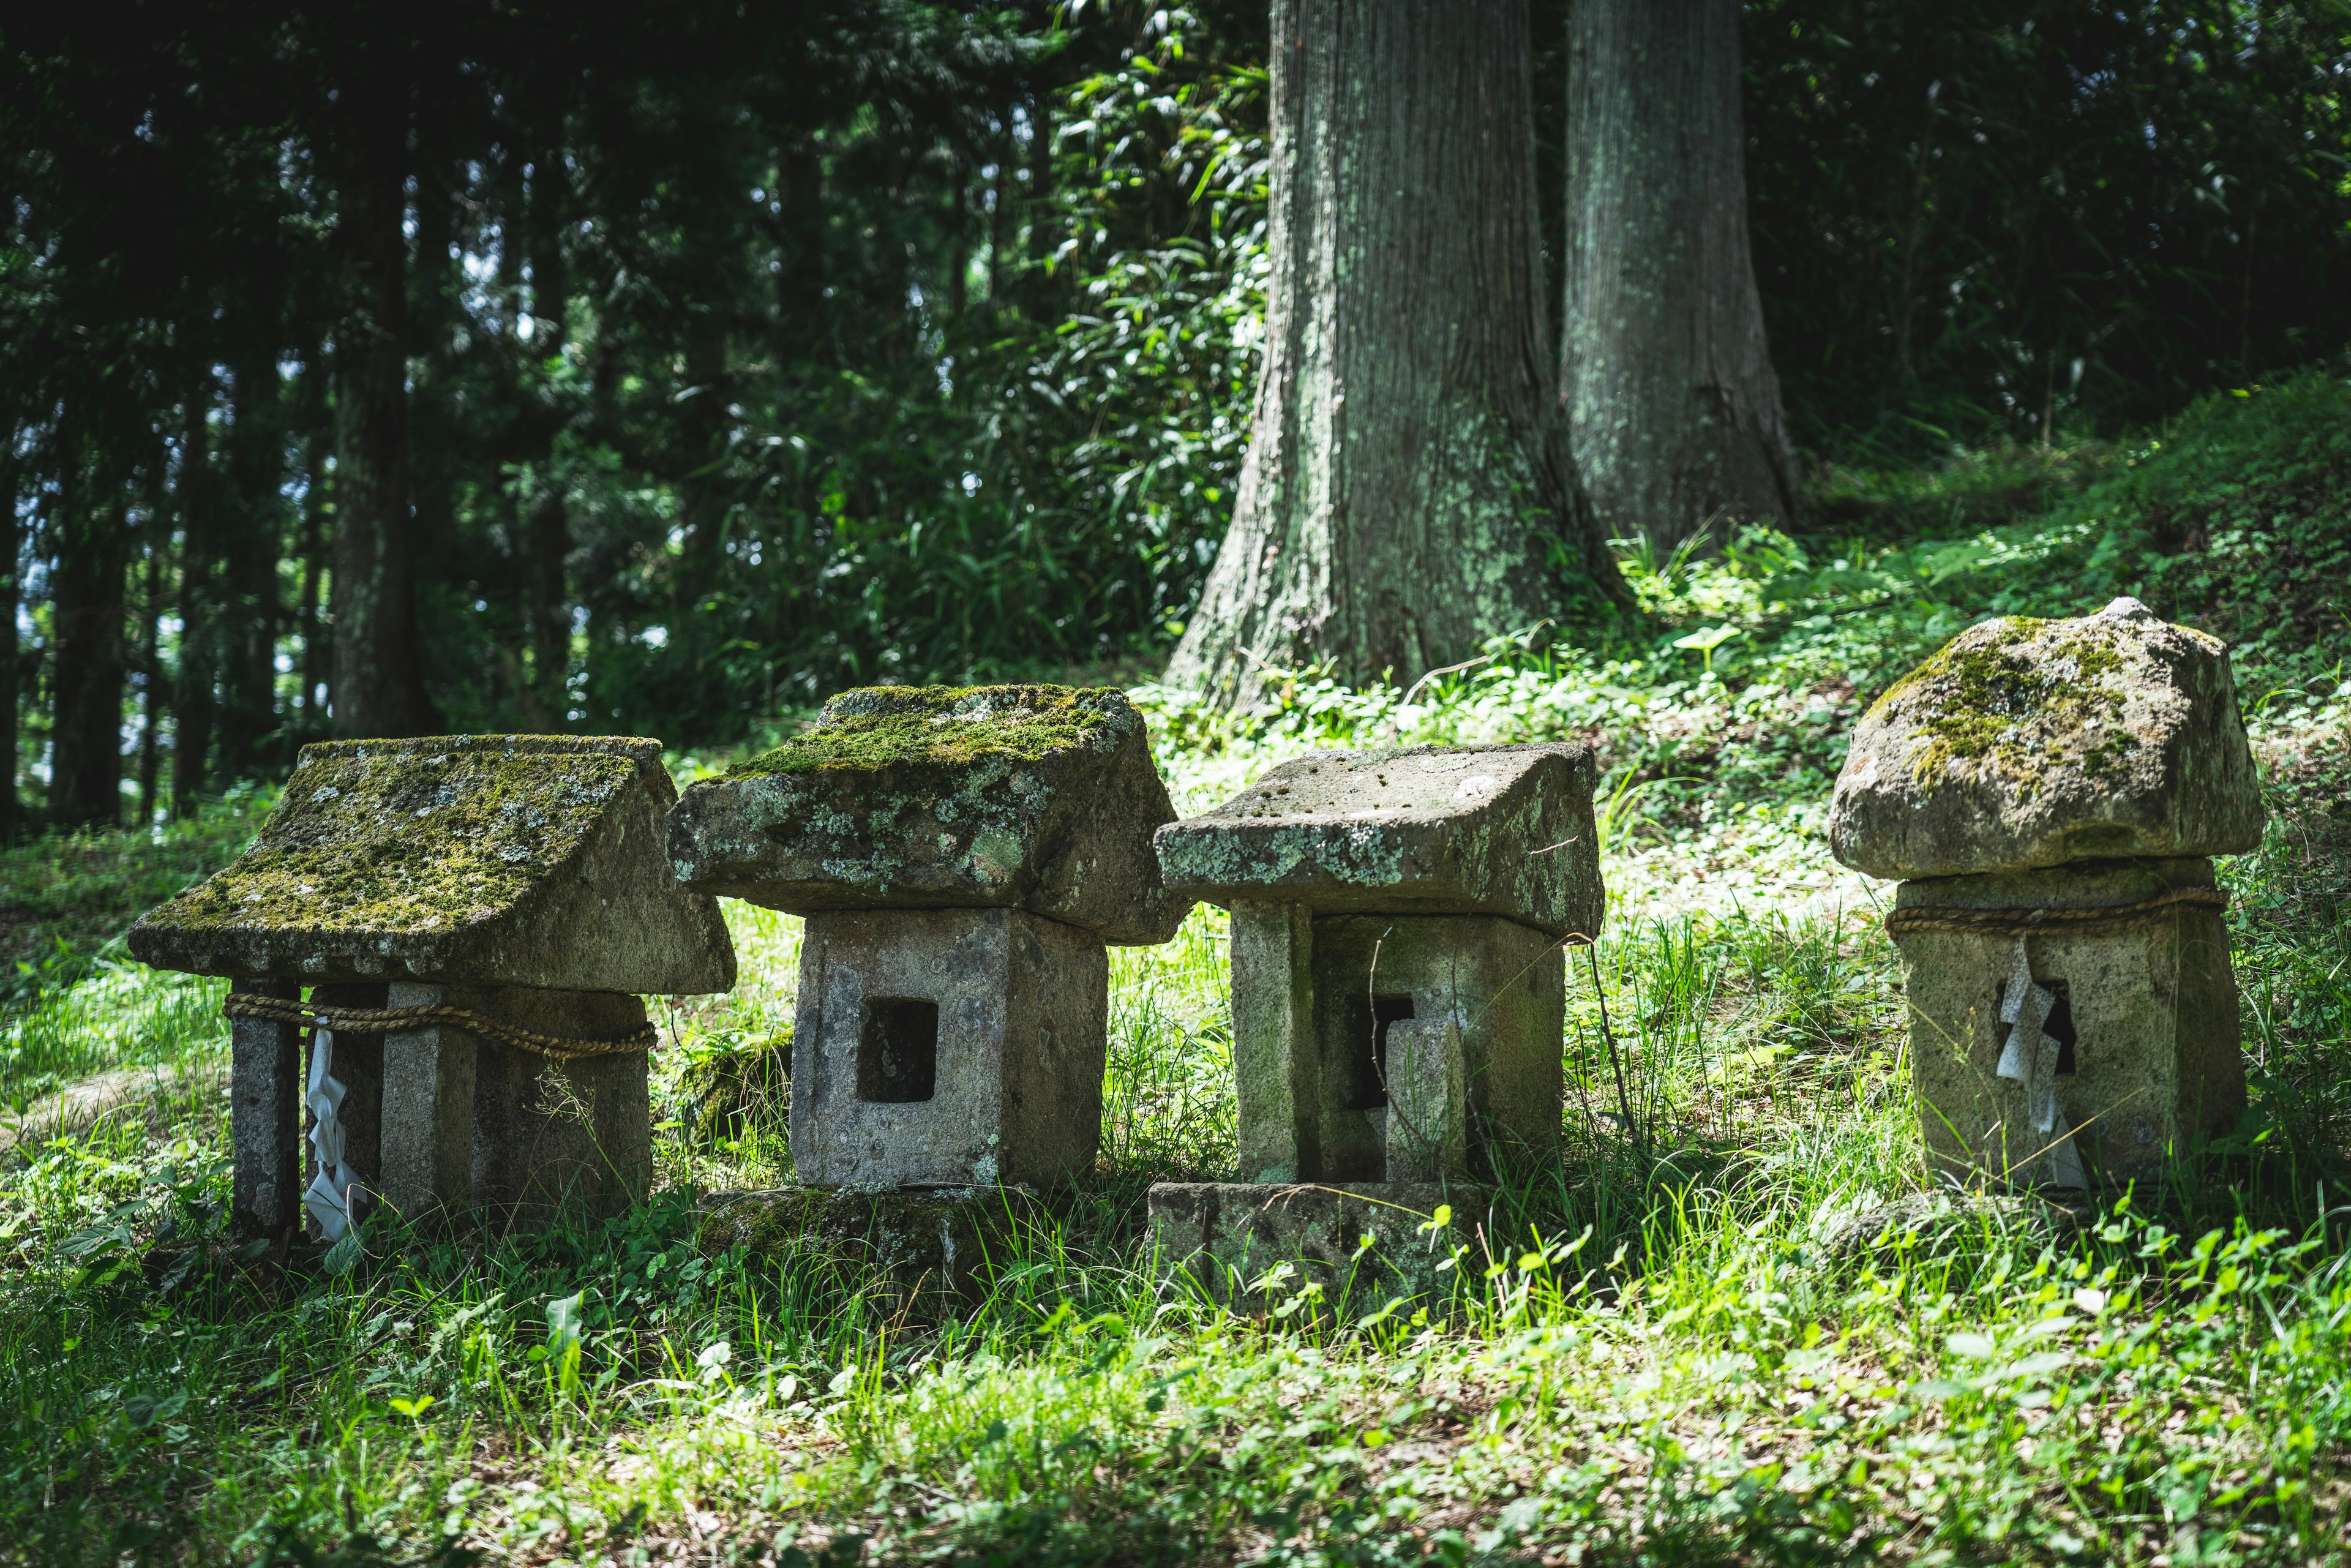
{"points": [[879, 726], [412, 837], [2015, 697], [729, 1095]]}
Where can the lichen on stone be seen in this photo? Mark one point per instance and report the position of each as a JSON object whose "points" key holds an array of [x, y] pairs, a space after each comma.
{"points": [[2016, 697], [879, 726], [404, 840]]}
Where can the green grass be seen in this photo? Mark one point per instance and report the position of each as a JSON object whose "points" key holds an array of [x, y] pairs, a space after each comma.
{"points": [[1664, 1349]]}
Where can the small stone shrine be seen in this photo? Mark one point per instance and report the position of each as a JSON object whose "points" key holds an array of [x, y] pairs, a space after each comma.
{"points": [[1399, 919], [474, 919], [963, 856], [2048, 792]]}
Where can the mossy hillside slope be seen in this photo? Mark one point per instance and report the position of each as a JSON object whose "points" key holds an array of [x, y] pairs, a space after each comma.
{"points": [[514, 860], [1035, 797], [2026, 743]]}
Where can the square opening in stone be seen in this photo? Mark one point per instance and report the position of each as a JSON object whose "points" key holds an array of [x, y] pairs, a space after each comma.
{"points": [[1366, 1067], [898, 1050]]}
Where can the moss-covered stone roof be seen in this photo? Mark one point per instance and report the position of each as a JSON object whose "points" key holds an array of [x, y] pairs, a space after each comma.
{"points": [[2026, 743], [531, 860], [366, 839], [875, 727], [1041, 798]]}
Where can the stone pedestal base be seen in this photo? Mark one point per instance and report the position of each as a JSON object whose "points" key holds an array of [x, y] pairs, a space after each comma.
{"points": [[437, 1120], [948, 1047], [2154, 1060], [1223, 1238], [932, 1247], [1392, 1048]]}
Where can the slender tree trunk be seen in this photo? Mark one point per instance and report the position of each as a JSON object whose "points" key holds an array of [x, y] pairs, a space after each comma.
{"points": [[379, 676], [85, 756], [549, 541], [11, 598], [1668, 378], [191, 683], [154, 697], [250, 546], [1407, 492], [311, 623]]}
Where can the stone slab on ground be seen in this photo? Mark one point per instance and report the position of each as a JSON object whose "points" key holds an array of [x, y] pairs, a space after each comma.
{"points": [[536, 861], [1223, 1238], [948, 1047], [2028, 743], [2156, 1061], [1035, 797], [1472, 829], [933, 1248]]}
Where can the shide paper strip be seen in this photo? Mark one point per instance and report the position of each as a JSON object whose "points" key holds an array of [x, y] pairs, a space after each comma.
{"points": [[2031, 1059], [328, 1200]]}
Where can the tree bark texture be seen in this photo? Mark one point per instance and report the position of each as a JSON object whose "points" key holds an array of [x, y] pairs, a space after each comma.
{"points": [[251, 545], [1407, 492], [1664, 365], [192, 684], [92, 554], [379, 680]]}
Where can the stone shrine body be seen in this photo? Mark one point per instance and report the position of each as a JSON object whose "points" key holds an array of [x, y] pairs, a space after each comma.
{"points": [[2048, 792], [1399, 919], [963, 857], [474, 919]]}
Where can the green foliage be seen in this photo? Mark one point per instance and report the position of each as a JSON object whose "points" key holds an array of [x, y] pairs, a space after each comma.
{"points": [[1979, 221], [65, 898]]}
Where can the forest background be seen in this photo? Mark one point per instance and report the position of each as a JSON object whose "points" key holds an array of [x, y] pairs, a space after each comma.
{"points": [[687, 368]]}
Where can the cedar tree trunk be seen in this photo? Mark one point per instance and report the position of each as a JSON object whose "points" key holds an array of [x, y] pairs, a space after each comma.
{"points": [[379, 680], [86, 746], [1667, 378], [1407, 492]]}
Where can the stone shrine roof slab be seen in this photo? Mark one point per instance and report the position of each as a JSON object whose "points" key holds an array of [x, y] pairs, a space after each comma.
{"points": [[1028, 797], [2027, 743], [496, 860], [1475, 830]]}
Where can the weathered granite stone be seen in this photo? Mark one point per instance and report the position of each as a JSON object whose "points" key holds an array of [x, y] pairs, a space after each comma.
{"points": [[2032, 743], [551, 1138], [948, 1047], [934, 1250], [1501, 986], [2150, 1054], [1035, 797], [429, 1082], [1946, 1223], [1223, 1238], [1316, 1005], [1276, 1063], [266, 1072], [486, 860], [1475, 830], [1428, 1102]]}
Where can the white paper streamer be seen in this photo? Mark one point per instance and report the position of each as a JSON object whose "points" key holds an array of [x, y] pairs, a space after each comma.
{"points": [[2031, 1059], [328, 1197]]}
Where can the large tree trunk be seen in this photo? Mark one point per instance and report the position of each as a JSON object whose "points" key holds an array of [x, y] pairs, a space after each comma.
{"points": [[1662, 364], [92, 541], [379, 680], [1407, 492]]}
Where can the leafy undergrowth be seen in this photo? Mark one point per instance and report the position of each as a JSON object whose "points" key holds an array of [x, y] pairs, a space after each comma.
{"points": [[1668, 1348], [65, 898]]}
